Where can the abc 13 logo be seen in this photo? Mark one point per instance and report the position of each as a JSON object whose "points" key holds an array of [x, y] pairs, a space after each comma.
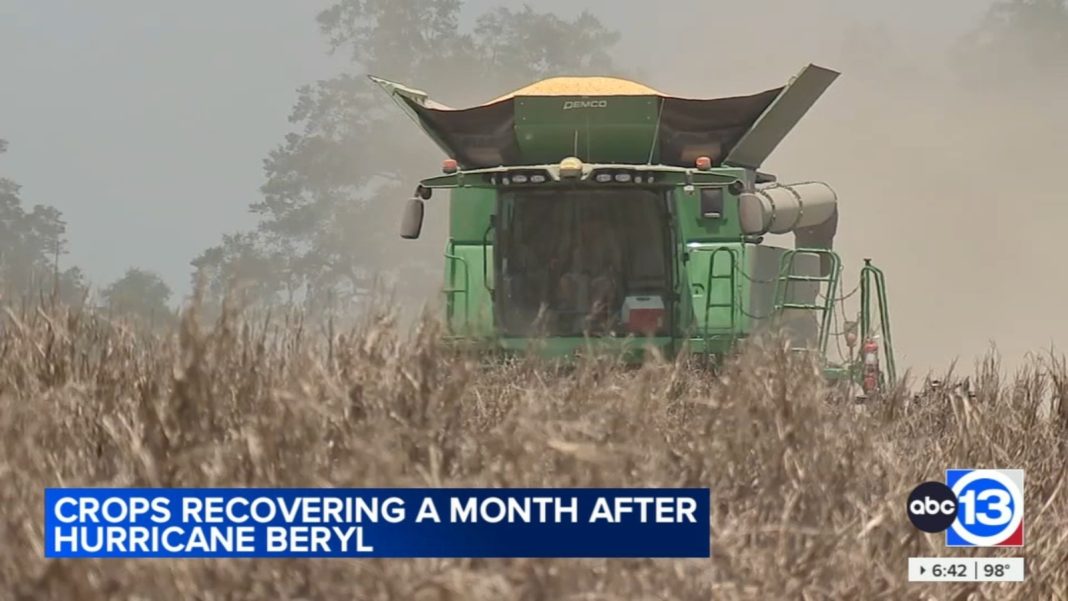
{"points": [[974, 507]]}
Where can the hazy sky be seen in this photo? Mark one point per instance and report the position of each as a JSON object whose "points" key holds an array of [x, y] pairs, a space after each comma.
{"points": [[145, 122]]}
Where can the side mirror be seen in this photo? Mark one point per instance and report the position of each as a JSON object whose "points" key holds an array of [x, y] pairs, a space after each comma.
{"points": [[412, 222]]}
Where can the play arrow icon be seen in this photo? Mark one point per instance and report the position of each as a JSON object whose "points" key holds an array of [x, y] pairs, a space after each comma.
{"points": [[923, 570]]}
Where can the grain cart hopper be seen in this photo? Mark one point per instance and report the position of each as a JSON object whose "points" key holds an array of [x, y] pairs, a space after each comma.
{"points": [[592, 212]]}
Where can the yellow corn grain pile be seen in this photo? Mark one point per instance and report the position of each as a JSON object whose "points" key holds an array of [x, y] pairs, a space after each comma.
{"points": [[582, 86]]}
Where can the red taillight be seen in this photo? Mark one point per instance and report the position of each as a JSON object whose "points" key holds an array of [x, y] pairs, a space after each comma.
{"points": [[703, 163], [450, 166]]}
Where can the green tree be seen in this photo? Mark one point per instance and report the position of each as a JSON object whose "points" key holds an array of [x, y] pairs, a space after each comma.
{"points": [[31, 243], [327, 220], [243, 267], [140, 295]]}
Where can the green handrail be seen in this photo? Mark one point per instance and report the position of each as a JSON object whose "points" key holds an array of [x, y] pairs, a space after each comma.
{"points": [[786, 268], [466, 291], [733, 254], [485, 258]]}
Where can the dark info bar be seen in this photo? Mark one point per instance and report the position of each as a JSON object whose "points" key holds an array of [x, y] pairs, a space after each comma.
{"points": [[376, 522]]}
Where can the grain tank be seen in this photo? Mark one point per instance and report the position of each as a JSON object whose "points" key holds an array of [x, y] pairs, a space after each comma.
{"points": [[598, 213]]}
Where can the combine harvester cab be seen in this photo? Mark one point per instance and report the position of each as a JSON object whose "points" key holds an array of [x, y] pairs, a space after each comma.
{"points": [[597, 213]]}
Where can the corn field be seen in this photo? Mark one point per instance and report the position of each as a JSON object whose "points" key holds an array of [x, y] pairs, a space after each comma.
{"points": [[808, 488]]}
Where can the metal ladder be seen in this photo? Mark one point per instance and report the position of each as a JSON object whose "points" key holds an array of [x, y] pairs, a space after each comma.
{"points": [[452, 291], [731, 277], [824, 309]]}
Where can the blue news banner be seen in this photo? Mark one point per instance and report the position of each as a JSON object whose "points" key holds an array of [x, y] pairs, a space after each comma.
{"points": [[365, 522]]}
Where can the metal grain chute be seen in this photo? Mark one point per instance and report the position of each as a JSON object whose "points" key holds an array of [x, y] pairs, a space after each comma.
{"points": [[809, 210]]}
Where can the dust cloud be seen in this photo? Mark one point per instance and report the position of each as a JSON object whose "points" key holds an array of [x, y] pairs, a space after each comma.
{"points": [[947, 176], [946, 171]]}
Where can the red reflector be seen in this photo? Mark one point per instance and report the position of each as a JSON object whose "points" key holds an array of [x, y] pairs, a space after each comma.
{"points": [[704, 163], [450, 166]]}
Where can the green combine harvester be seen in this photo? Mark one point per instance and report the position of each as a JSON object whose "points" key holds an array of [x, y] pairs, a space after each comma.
{"points": [[597, 214]]}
